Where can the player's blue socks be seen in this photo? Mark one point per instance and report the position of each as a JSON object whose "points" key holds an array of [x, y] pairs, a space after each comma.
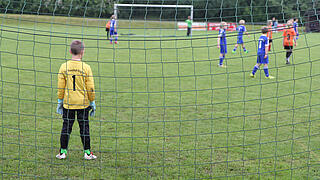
{"points": [[266, 71], [234, 49], [255, 69], [244, 49], [116, 39], [221, 61]]}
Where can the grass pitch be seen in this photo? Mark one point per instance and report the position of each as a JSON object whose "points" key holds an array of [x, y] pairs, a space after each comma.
{"points": [[165, 110]]}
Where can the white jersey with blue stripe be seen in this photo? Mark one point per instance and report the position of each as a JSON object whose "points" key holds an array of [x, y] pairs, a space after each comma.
{"points": [[113, 24], [295, 26], [222, 36]]}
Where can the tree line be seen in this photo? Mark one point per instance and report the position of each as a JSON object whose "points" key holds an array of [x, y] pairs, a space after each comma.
{"points": [[204, 10]]}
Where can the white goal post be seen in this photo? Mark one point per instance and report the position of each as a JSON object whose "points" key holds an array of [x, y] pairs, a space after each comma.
{"points": [[115, 7]]}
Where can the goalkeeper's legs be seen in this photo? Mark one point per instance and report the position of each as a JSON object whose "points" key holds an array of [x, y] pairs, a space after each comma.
{"points": [[68, 120], [188, 31], [83, 120]]}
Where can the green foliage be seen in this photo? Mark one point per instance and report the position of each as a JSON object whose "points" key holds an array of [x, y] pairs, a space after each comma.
{"points": [[204, 10]]}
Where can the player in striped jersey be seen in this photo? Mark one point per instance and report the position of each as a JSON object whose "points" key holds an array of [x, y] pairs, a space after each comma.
{"points": [[113, 30]]}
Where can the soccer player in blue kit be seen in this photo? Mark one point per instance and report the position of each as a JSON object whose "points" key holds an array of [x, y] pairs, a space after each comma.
{"points": [[222, 42], [295, 27], [113, 30], [263, 49], [241, 30]]}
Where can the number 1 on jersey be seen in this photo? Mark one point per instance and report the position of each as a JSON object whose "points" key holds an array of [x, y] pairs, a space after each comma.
{"points": [[74, 82], [260, 44]]}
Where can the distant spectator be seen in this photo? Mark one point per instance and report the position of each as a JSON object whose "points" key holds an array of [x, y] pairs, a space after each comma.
{"points": [[274, 24]]}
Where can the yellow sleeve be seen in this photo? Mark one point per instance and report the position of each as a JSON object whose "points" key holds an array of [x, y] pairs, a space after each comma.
{"points": [[61, 82], [90, 84]]}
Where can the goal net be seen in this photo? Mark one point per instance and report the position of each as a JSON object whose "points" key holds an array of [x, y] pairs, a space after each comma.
{"points": [[153, 19], [165, 109]]}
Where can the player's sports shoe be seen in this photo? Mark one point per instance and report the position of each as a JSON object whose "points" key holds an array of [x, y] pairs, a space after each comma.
{"points": [[90, 156], [246, 52], [110, 42], [287, 62], [252, 75], [270, 77], [61, 156], [116, 42], [222, 66], [233, 51]]}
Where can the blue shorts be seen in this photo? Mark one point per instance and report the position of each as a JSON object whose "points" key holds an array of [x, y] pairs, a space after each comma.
{"points": [[262, 60], [113, 32], [223, 48], [240, 40]]}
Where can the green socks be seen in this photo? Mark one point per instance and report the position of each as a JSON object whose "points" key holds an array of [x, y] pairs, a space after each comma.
{"points": [[87, 151], [63, 151]]}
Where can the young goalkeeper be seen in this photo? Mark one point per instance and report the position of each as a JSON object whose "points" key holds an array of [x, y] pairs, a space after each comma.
{"points": [[241, 30], [263, 49], [75, 97], [222, 43], [189, 23]]}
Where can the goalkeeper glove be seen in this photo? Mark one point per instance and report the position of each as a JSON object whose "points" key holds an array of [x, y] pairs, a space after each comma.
{"points": [[93, 108], [60, 106]]}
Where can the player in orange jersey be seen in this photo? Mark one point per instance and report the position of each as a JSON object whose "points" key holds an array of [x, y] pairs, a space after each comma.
{"points": [[108, 29], [269, 34], [289, 40]]}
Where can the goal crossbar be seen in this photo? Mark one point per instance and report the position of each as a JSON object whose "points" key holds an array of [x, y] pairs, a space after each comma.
{"points": [[115, 7]]}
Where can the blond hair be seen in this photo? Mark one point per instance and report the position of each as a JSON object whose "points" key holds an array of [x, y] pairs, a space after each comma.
{"points": [[222, 24]]}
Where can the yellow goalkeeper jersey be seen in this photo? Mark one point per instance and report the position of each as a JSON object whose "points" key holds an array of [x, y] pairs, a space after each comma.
{"points": [[75, 85]]}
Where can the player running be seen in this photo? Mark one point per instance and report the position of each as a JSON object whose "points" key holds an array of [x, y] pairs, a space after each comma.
{"points": [[241, 30], [75, 97], [113, 30], [222, 43], [289, 39], [263, 49]]}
